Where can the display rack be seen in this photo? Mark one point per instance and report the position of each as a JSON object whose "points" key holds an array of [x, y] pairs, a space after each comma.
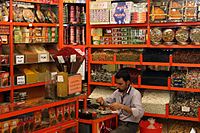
{"points": [[147, 45], [60, 127]]}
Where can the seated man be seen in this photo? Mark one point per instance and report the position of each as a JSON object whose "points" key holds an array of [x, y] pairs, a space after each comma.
{"points": [[127, 100]]}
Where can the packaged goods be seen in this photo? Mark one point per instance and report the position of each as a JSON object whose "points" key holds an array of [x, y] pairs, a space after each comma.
{"points": [[182, 35], [194, 35], [156, 36], [155, 102], [120, 12], [168, 36]]}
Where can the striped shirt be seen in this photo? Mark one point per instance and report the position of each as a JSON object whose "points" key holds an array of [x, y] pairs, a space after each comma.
{"points": [[131, 98]]}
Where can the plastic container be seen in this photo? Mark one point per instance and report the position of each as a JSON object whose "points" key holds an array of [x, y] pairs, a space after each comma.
{"points": [[144, 124]]}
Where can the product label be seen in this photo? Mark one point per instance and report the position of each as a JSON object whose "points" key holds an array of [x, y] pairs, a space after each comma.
{"points": [[19, 59], [61, 59], [73, 58], [20, 80], [53, 75], [60, 78], [185, 109], [43, 57]]}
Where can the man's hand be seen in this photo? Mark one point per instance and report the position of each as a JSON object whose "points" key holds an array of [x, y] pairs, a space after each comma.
{"points": [[100, 100], [116, 106]]}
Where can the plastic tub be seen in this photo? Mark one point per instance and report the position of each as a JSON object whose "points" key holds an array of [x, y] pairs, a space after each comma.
{"points": [[144, 124]]}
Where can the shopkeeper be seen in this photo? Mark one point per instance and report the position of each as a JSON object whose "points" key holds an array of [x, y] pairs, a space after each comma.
{"points": [[127, 101]]}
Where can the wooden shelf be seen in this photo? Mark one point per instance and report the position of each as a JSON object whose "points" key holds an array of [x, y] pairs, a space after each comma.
{"points": [[31, 1], [101, 83], [184, 89], [62, 125], [174, 46], [183, 118], [155, 63], [5, 89], [118, 25], [155, 115], [175, 24], [35, 24], [125, 46], [5, 23], [154, 87], [36, 108], [185, 65], [29, 85]]}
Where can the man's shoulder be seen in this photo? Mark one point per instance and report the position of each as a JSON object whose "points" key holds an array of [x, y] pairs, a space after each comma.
{"points": [[135, 91]]}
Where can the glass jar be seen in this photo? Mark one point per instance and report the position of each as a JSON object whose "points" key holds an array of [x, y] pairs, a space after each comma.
{"points": [[168, 36], [156, 36], [182, 35], [194, 35]]}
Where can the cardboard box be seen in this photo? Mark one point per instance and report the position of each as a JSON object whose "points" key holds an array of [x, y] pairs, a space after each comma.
{"points": [[74, 84]]}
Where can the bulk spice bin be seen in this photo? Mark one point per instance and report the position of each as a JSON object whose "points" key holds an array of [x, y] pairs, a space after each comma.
{"points": [[31, 31], [162, 38]]}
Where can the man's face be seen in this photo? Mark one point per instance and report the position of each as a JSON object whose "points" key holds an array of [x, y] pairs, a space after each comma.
{"points": [[121, 85]]}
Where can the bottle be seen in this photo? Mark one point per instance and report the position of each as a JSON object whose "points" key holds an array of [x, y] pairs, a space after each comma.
{"points": [[83, 15]]}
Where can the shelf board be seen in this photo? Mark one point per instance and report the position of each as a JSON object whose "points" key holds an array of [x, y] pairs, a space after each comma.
{"points": [[155, 115], [102, 62], [29, 85], [185, 65], [183, 118], [35, 24], [33, 63], [119, 46], [36, 108], [153, 87], [118, 25], [74, 3], [155, 63], [74, 46], [175, 24], [65, 25], [30, 1], [5, 89], [101, 83], [127, 62], [66, 124], [174, 46], [184, 89], [5, 23]]}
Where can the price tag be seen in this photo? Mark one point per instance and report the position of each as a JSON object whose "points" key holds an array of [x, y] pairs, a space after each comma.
{"points": [[30, 25], [43, 57], [20, 80], [53, 75], [60, 78], [185, 109], [19, 59], [61, 59], [73, 58]]}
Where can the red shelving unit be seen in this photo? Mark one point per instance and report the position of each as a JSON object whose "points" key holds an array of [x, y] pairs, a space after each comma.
{"points": [[5, 89], [30, 85], [174, 24], [118, 25], [39, 2]]}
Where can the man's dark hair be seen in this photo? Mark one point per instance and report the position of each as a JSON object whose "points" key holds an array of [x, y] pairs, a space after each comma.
{"points": [[124, 74]]}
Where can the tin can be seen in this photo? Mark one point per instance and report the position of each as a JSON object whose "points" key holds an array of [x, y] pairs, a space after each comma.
{"points": [[72, 35], [78, 35], [72, 14], [83, 35]]}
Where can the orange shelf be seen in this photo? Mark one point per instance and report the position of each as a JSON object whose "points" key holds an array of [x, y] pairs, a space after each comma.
{"points": [[101, 83], [155, 63], [31, 1], [175, 24], [154, 87], [34, 24], [5, 89], [174, 46], [74, 46], [185, 65], [119, 46], [127, 63], [183, 118], [5, 23], [155, 115], [102, 62], [118, 25], [62, 125], [36, 108], [29, 85], [184, 89]]}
